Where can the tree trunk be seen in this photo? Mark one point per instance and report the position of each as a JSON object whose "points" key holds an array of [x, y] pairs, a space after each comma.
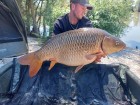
{"points": [[28, 17], [35, 30], [44, 27], [139, 7]]}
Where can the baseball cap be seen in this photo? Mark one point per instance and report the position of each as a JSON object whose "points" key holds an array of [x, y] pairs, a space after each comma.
{"points": [[83, 2]]}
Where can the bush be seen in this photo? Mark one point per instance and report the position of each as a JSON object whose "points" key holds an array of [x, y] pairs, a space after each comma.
{"points": [[111, 15]]}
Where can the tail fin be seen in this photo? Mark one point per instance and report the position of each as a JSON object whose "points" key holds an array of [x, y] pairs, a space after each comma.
{"points": [[31, 60]]}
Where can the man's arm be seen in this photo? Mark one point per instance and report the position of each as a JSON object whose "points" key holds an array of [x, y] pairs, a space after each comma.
{"points": [[57, 28], [86, 22], [89, 23]]}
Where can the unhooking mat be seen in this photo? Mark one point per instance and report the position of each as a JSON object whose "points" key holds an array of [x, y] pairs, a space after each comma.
{"points": [[94, 84]]}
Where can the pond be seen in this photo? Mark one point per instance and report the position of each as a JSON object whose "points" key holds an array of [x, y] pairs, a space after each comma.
{"points": [[132, 33]]}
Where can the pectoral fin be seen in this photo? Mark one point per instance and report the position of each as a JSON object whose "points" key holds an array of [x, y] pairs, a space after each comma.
{"points": [[91, 57], [33, 61], [53, 62], [78, 68], [34, 67]]}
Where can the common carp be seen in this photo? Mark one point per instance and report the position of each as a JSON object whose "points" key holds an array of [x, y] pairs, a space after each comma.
{"points": [[73, 48]]}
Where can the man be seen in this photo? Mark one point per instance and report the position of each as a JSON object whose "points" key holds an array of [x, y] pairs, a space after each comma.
{"points": [[75, 19]]}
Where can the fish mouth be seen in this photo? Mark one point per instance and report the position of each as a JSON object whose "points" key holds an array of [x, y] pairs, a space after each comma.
{"points": [[124, 46]]}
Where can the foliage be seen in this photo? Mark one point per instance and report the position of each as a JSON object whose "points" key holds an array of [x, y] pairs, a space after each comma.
{"points": [[111, 15], [58, 9]]}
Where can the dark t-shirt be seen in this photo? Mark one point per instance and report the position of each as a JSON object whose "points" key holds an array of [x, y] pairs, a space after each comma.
{"points": [[62, 24]]}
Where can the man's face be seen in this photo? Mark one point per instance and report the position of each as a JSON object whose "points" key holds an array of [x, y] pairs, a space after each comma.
{"points": [[79, 11]]}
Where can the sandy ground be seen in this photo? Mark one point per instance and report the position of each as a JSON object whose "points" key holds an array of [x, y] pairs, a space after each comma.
{"points": [[34, 44], [129, 57]]}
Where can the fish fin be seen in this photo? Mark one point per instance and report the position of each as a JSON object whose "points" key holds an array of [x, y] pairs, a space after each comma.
{"points": [[34, 67], [53, 62], [78, 68], [31, 60], [91, 57], [26, 59], [101, 53]]}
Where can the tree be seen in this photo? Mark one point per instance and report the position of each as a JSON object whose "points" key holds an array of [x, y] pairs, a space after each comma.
{"points": [[111, 15]]}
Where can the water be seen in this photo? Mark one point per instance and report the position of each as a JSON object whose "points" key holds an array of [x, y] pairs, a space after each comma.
{"points": [[132, 34]]}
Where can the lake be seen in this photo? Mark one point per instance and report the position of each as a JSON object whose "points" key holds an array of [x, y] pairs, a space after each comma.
{"points": [[132, 33]]}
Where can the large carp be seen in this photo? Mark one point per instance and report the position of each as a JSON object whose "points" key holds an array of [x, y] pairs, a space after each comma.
{"points": [[73, 48]]}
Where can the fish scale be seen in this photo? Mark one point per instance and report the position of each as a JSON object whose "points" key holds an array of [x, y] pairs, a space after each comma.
{"points": [[73, 48]]}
